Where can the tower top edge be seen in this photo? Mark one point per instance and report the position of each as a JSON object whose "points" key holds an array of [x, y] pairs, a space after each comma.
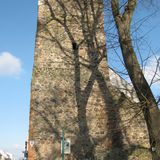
{"points": [[40, 2]]}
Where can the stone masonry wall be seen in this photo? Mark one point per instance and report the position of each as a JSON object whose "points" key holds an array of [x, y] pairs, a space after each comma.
{"points": [[71, 89]]}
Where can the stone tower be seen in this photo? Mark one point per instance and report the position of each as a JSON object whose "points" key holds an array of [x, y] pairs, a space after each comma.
{"points": [[71, 92]]}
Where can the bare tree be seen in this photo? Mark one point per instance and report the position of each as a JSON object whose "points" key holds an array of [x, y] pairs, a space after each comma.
{"points": [[123, 19]]}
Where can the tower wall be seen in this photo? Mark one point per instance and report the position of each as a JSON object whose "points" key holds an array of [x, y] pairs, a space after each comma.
{"points": [[71, 89]]}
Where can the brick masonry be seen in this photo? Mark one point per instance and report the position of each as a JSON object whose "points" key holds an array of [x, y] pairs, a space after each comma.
{"points": [[71, 90]]}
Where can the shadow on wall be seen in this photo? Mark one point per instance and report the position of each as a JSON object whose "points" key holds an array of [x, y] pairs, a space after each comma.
{"points": [[95, 49]]}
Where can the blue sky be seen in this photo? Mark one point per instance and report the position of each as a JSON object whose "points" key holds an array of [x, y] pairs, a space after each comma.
{"points": [[17, 37], [17, 40]]}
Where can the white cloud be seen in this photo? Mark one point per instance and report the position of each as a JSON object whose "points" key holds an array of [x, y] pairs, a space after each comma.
{"points": [[150, 70], [149, 73], [9, 65]]}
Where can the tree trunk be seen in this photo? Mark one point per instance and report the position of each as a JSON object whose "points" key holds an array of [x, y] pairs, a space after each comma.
{"points": [[144, 93]]}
